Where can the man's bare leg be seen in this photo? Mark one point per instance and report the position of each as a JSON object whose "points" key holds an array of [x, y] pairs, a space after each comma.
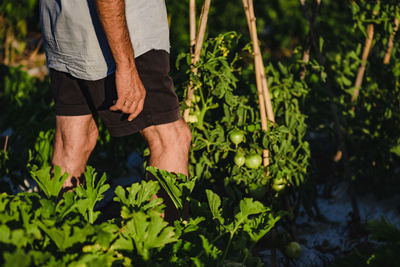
{"points": [[75, 139], [169, 146], [169, 149]]}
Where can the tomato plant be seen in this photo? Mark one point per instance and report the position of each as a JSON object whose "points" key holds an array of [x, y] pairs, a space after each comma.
{"points": [[293, 250], [236, 136], [253, 161], [239, 159]]}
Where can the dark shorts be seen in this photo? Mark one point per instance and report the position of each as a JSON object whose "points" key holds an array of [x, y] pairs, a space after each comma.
{"points": [[74, 97]]}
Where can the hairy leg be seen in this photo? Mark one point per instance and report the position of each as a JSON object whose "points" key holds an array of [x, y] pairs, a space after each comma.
{"points": [[75, 139], [169, 148]]}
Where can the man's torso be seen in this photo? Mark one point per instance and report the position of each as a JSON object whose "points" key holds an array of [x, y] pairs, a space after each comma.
{"points": [[75, 41]]}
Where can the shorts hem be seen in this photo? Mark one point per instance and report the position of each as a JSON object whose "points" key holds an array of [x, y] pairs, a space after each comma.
{"points": [[72, 110], [141, 123]]}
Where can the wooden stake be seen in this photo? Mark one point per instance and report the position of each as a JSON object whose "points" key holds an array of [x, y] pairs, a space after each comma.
{"points": [[5, 144], [192, 27], [197, 51], [202, 29], [311, 25], [261, 80], [361, 70], [386, 60]]}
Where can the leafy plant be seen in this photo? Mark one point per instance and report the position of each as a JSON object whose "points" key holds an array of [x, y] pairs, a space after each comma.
{"points": [[178, 186], [51, 184], [90, 194]]}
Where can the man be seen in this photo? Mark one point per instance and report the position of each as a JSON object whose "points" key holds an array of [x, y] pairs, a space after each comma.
{"points": [[110, 58]]}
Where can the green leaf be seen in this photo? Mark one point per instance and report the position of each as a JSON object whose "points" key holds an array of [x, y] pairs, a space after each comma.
{"points": [[66, 236], [211, 251], [215, 205], [17, 258], [149, 232], [260, 226], [140, 196], [91, 194], [51, 186], [396, 150], [178, 186]]}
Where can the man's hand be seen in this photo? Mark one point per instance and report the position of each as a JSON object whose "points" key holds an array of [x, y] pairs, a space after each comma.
{"points": [[131, 92]]}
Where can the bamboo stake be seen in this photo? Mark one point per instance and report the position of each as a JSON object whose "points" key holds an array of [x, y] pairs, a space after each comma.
{"points": [[192, 27], [390, 43], [311, 19], [251, 20], [361, 70], [202, 29], [197, 50], [267, 98], [262, 89], [5, 144], [36, 51]]}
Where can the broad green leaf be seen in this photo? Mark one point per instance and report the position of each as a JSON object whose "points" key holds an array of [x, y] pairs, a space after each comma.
{"points": [[140, 195], [260, 226], [50, 184], [149, 232], [17, 258], [215, 205], [66, 235], [396, 150], [178, 186], [91, 194]]}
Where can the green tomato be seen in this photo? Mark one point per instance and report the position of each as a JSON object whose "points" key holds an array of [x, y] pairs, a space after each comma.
{"points": [[236, 136], [279, 184], [293, 250], [239, 159], [253, 161], [278, 187], [196, 99], [192, 119]]}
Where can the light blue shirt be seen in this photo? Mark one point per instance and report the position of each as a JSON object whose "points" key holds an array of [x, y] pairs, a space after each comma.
{"points": [[75, 42]]}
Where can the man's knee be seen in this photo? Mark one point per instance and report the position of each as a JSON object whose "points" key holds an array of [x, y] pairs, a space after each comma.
{"points": [[73, 144], [172, 136]]}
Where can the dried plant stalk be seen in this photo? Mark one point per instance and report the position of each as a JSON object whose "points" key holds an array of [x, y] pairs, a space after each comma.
{"points": [[5, 144], [197, 51], [361, 70], [261, 81], [192, 27], [311, 19]]}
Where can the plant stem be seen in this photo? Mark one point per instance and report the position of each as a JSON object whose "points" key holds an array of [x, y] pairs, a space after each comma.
{"points": [[227, 247]]}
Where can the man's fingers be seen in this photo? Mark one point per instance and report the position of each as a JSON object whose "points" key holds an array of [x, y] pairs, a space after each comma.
{"points": [[119, 105], [136, 112]]}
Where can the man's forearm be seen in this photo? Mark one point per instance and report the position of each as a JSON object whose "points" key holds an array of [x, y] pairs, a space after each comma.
{"points": [[113, 19]]}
